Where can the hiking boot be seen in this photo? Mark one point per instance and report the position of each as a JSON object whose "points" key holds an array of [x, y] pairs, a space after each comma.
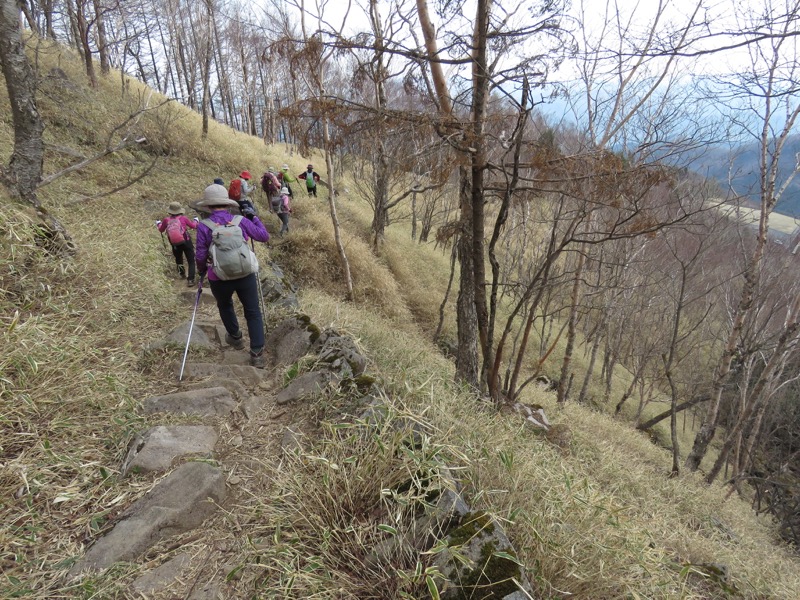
{"points": [[236, 342], [189, 282], [257, 360]]}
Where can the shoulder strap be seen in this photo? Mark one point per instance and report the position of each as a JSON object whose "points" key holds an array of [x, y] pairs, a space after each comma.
{"points": [[210, 224], [236, 220]]}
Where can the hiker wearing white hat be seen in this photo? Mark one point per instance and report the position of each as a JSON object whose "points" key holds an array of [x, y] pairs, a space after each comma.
{"points": [[218, 243], [284, 210], [286, 179]]}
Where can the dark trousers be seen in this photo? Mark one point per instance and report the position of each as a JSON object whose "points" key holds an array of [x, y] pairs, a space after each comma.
{"points": [[312, 191], [284, 217], [179, 251], [246, 289]]}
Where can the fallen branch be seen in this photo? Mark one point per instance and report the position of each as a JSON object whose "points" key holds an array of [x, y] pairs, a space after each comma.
{"points": [[125, 143]]}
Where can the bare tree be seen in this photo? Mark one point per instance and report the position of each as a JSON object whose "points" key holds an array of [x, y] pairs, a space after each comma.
{"points": [[768, 89]]}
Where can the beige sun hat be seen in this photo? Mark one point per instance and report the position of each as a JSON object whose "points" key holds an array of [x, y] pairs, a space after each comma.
{"points": [[175, 208], [215, 195]]}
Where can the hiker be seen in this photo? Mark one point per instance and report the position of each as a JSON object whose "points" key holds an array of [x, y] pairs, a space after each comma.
{"points": [[284, 210], [212, 257], [239, 190], [177, 226], [286, 179], [312, 178], [270, 184]]}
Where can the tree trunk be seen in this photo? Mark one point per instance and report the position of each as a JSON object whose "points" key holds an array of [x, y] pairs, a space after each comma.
{"points": [[25, 167], [477, 149], [24, 170], [85, 41], [102, 41], [207, 67], [571, 329]]}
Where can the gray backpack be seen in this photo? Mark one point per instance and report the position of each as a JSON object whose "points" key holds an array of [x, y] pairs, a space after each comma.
{"points": [[230, 256]]}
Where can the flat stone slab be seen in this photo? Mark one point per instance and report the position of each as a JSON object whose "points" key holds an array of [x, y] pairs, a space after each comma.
{"points": [[304, 387], [205, 402], [180, 334], [233, 385], [246, 374], [235, 357], [155, 449], [179, 503], [161, 577]]}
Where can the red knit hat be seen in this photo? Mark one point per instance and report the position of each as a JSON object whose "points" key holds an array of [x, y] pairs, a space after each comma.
{"points": [[245, 175]]}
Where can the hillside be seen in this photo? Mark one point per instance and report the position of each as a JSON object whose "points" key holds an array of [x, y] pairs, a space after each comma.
{"points": [[738, 169], [596, 518]]}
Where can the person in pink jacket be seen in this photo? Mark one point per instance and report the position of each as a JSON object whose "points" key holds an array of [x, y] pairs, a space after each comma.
{"points": [[177, 226]]}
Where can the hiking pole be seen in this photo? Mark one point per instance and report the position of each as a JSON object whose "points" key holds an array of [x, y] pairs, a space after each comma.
{"points": [[191, 326], [260, 294], [163, 242]]}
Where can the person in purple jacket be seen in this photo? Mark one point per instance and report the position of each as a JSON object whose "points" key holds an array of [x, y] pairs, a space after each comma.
{"points": [[215, 199]]}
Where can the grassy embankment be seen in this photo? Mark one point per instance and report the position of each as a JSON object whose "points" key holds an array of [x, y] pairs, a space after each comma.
{"points": [[599, 521]]}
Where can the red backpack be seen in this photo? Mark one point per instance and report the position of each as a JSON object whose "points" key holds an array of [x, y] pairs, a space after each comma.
{"points": [[235, 191], [176, 231]]}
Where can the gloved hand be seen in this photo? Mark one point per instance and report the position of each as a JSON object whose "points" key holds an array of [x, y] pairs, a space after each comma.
{"points": [[248, 212], [196, 219], [158, 223]]}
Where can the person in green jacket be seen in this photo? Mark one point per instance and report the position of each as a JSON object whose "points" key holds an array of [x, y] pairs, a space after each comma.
{"points": [[287, 179]]}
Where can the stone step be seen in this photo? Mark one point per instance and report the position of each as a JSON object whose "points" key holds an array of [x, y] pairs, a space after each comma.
{"points": [[246, 374], [204, 402], [156, 448], [179, 503], [233, 385]]}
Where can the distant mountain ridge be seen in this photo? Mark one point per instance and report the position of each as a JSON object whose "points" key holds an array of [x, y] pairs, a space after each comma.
{"points": [[738, 168]]}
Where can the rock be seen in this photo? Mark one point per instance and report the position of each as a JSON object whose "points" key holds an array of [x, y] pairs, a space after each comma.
{"points": [[233, 385], [304, 387], [479, 539], [179, 335], [206, 402], [342, 356], [290, 441], [275, 286], [162, 576], [159, 446], [438, 516], [235, 357], [209, 328], [207, 591], [252, 405], [289, 341], [199, 337], [246, 374], [179, 503]]}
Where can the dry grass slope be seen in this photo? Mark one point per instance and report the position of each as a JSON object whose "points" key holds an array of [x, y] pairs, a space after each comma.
{"points": [[599, 521]]}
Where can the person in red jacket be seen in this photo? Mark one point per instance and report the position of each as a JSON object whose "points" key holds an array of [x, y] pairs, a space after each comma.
{"points": [[177, 226]]}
